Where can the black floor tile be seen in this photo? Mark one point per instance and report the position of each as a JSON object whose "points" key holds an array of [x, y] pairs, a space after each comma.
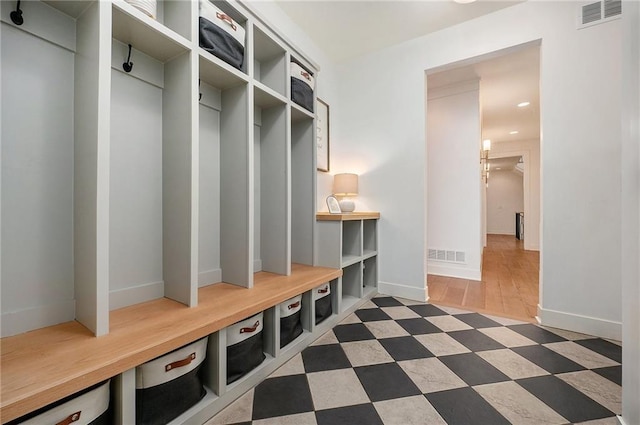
{"points": [[473, 369], [600, 346], [548, 359], [475, 340], [386, 302], [612, 373], [477, 321], [418, 326], [352, 332], [360, 414], [427, 310], [565, 399], [372, 314], [386, 381], [464, 406], [317, 358], [285, 395], [536, 333], [405, 348]]}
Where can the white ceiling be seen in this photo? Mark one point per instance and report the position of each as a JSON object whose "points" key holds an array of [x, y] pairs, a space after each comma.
{"points": [[347, 28], [344, 29]]}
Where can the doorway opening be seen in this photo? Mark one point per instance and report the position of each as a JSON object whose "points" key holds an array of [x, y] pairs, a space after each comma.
{"points": [[473, 204]]}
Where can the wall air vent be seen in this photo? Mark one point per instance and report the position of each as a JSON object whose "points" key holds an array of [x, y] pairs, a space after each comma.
{"points": [[599, 12], [448, 256]]}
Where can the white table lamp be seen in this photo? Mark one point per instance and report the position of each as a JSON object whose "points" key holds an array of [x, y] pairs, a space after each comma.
{"points": [[345, 185]]}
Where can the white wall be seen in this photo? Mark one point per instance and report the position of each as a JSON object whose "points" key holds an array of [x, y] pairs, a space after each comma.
{"points": [[630, 87], [383, 111], [505, 198], [453, 178]]}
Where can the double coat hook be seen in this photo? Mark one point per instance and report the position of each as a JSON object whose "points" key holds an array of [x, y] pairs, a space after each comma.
{"points": [[16, 15]]}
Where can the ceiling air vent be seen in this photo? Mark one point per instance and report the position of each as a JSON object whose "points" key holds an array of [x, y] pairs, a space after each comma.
{"points": [[599, 12]]}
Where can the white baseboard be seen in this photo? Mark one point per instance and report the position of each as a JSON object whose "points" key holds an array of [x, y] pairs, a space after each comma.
{"points": [[403, 291], [135, 295], [209, 277], [17, 322], [622, 422], [440, 269], [582, 324]]}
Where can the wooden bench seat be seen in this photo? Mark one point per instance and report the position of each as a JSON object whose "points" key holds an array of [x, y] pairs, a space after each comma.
{"points": [[45, 365]]}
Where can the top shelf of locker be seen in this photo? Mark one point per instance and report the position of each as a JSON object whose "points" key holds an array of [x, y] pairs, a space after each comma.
{"points": [[71, 8], [131, 26]]}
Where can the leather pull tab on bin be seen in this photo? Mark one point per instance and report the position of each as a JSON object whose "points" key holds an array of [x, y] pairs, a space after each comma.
{"points": [[251, 329], [227, 19], [74, 417], [180, 363], [323, 290], [294, 305]]}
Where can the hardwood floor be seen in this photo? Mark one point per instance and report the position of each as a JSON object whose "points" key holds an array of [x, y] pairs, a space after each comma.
{"points": [[509, 285]]}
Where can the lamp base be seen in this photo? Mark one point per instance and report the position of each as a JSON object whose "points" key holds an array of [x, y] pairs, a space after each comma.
{"points": [[347, 206]]}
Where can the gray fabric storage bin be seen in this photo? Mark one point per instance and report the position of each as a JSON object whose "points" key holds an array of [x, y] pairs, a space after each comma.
{"points": [[88, 407], [245, 349], [322, 297], [290, 323], [169, 385], [220, 35], [302, 86]]}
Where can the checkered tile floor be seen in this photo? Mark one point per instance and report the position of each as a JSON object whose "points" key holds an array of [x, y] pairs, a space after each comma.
{"points": [[397, 362]]}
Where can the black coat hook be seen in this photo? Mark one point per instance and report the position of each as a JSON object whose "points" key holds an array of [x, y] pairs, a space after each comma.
{"points": [[16, 15], [128, 65], [199, 97]]}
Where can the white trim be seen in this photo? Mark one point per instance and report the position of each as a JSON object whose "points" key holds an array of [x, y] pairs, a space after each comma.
{"points": [[621, 420], [403, 291], [138, 294], [17, 322], [578, 323], [209, 277], [453, 271]]}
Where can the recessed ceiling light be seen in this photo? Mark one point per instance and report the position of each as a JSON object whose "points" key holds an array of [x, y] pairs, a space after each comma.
{"points": [[464, 1], [498, 168], [513, 132], [523, 104]]}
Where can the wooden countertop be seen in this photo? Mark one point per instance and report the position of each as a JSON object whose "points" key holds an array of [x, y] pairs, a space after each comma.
{"points": [[357, 215], [45, 365]]}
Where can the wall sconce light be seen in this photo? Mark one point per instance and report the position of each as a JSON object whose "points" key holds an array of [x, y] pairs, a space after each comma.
{"points": [[484, 159], [345, 185]]}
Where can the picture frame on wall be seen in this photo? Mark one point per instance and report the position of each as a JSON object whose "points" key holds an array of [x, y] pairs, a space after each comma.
{"points": [[322, 135], [333, 205]]}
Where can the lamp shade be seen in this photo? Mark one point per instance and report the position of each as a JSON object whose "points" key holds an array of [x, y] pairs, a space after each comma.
{"points": [[345, 184]]}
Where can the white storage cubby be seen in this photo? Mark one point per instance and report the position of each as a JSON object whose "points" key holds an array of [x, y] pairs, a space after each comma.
{"points": [[349, 241], [351, 284], [370, 276]]}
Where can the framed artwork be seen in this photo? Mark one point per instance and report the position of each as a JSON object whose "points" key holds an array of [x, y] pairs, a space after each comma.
{"points": [[322, 136], [334, 205]]}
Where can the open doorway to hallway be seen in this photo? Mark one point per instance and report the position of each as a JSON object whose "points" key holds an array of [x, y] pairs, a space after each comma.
{"points": [[509, 285], [475, 261]]}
